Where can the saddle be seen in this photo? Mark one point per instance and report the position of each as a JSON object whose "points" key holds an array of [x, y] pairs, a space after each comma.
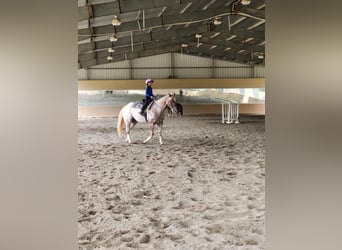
{"points": [[148, 108]]}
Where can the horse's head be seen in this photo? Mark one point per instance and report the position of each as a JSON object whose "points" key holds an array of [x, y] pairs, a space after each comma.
{"points": [[171, 103]]}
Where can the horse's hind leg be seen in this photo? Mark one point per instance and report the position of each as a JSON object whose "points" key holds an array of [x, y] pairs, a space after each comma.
{"points": [[151, 133], [133, 123], [128, 137]]}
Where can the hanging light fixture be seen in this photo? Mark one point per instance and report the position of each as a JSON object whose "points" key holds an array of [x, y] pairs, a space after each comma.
{"points": [[245, 2], [217, 22], [110, 50], [116, 21], [251, 60], [109, 58], [198, 36], [184, 45], [113, 38], [261, 56]]}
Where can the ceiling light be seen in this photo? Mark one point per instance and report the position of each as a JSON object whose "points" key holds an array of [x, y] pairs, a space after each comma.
{"points": [[116, 21], [185, 8], [208, 4], [231, 37], [256, 24], [217, 21], [109, 58], [111, 50], [183, 45], [245, 2], [261, 56], [113, 38], [215, 35], [198, 36]]}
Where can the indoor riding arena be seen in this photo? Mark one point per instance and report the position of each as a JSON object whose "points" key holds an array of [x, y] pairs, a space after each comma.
{"points": [[204, 187]]}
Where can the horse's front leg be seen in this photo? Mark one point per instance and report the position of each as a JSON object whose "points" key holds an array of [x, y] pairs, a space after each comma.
{"points": [[151, 126], [160, 127]]}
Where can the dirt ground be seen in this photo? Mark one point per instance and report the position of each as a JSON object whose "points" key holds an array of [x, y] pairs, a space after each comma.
{"points": [[203, 189]]}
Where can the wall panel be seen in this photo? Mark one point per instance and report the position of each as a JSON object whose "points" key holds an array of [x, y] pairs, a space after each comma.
{"points": [[151, 73], [104, 74], [167, 65], [259, 71], [158, 66], [82, 74], [193, 73]]}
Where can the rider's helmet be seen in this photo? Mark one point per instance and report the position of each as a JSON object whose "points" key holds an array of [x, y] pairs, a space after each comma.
{"points": [[148, 81]]}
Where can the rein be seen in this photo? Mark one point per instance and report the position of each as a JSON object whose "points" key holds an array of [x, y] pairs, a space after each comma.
{"points": [[161, 107]]}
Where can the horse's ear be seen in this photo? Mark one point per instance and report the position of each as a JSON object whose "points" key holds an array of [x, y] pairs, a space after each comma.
{"points": [[170, 95], [174, 94]]}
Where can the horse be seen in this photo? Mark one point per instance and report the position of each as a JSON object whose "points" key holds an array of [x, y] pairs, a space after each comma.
{"points": [[179, 110], [154, 115]]}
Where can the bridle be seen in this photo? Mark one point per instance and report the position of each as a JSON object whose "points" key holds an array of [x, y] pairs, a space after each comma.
{"points": [[172, 105], [169, 103]]}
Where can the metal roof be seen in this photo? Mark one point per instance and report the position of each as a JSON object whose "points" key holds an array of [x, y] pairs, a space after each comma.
{"points": [[151, 27]]}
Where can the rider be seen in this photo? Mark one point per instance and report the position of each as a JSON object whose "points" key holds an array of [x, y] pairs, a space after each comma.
{"points": [[148, 95]]}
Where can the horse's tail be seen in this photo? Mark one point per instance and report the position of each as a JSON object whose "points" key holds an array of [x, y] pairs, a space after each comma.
{"points": [[120, 123]]}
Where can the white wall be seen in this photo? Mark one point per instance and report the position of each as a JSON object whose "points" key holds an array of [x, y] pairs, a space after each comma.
{"points": [[232, 70], [166, 65], [117, 70], [158, 66], [82, 74], [259, 71]]}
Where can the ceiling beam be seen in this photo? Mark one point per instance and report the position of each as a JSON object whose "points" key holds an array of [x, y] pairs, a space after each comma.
{"points": [[258, 14], [125, 53], [134, 5], [182, 36], [166, 27], [165, 20], [102, 58], [157, 34]]}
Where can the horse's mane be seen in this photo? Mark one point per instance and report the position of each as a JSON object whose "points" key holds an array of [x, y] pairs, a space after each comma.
{"points": [[163, 98]]}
